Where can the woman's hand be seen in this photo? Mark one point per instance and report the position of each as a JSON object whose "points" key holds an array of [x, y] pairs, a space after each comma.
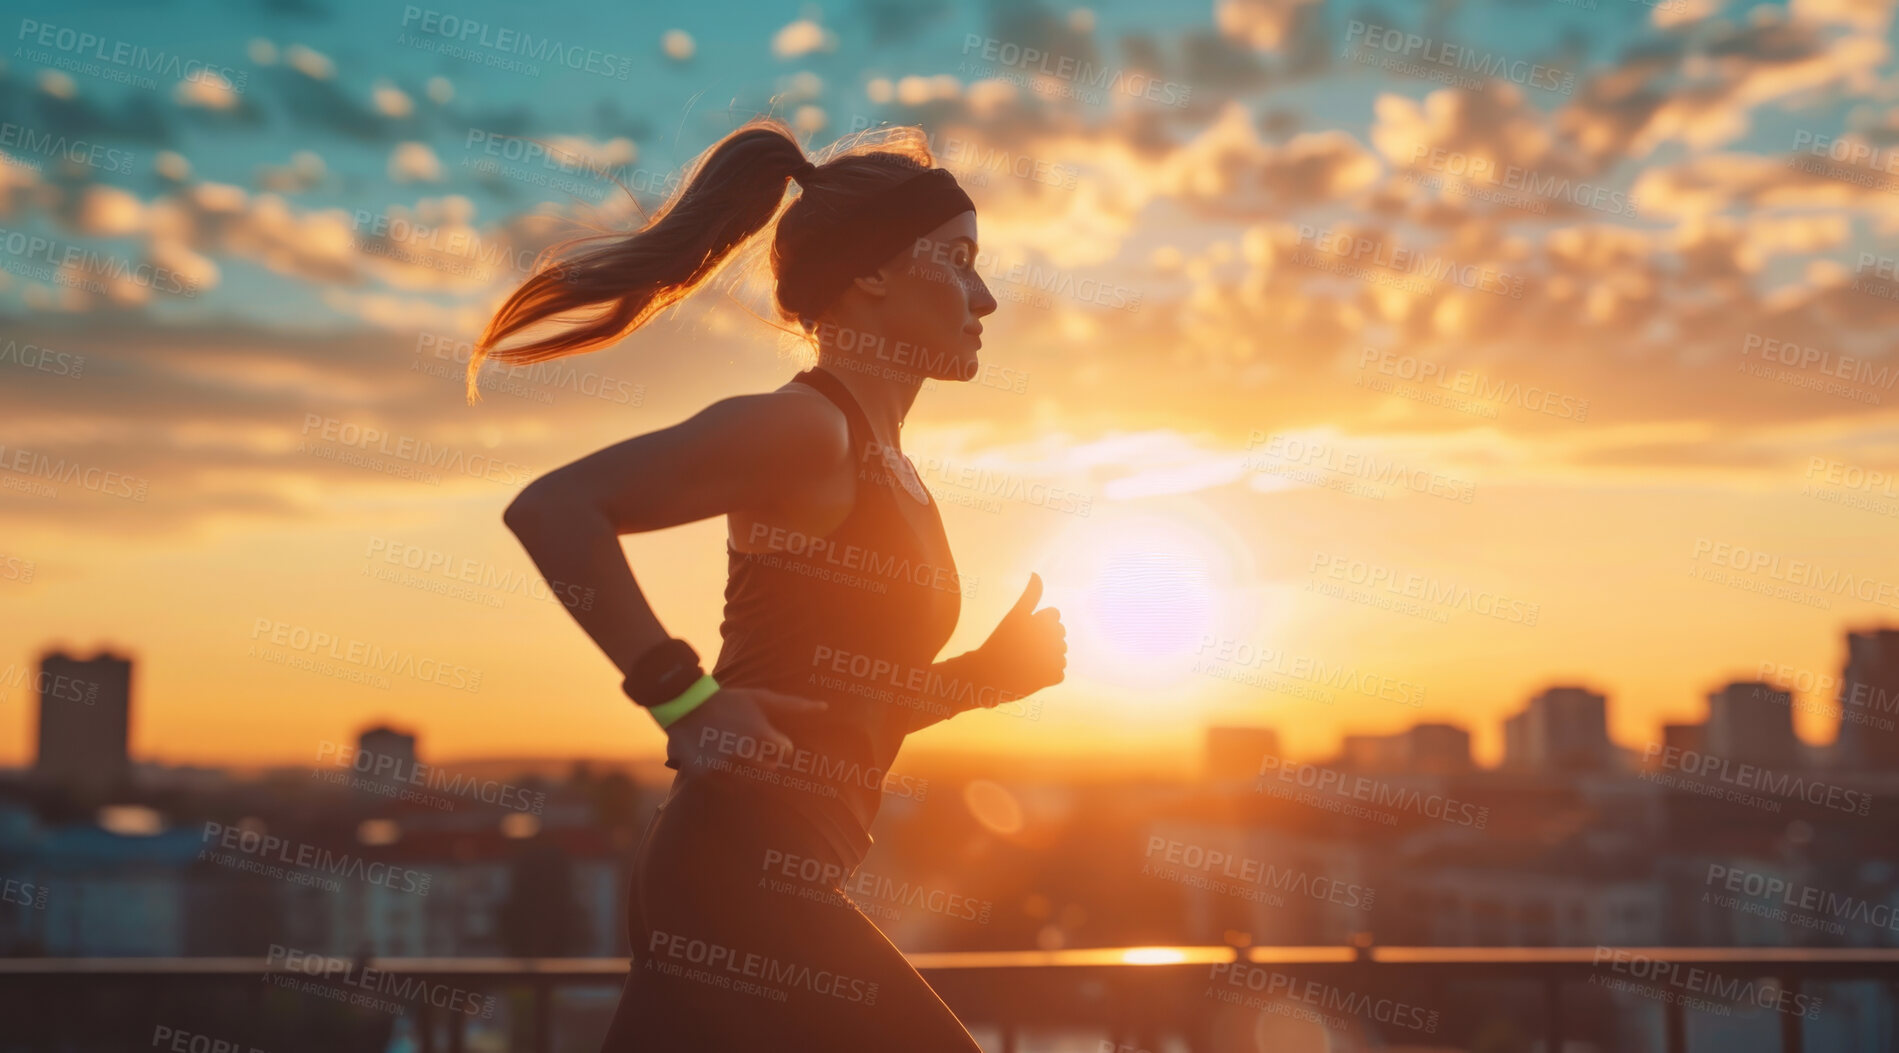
{"points": [[1029, 649], [736, 726]]}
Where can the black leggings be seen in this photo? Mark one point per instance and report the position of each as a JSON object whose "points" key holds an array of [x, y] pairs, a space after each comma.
{"points": [[741, 941]]}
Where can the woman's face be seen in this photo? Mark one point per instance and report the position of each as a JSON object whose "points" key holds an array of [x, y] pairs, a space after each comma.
{"points": [[934, 303]]}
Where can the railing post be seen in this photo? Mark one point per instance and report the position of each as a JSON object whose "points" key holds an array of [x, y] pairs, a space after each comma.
{"points": [[1553, 996], [1790, 1034], [543, 1016], [1674, 1028], [425, 1027]]}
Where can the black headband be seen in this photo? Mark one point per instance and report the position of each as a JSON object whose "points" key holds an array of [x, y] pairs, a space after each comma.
{"points": [[831, 256]]}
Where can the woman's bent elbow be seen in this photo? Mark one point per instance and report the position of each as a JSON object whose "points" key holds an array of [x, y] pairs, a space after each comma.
{"points": [[528, 507]]}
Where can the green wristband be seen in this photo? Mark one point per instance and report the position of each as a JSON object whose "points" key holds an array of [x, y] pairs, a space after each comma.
{"points": [[670, 713]]}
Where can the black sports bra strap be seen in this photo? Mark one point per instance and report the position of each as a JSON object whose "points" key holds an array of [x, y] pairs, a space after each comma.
{"points": [[834, 389]]}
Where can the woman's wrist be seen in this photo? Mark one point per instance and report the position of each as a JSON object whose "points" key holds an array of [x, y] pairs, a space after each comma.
{"points": [[674, 710]]}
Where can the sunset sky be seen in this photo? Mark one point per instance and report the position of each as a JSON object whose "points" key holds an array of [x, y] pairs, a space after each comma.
{"points": [[1579, 318]]}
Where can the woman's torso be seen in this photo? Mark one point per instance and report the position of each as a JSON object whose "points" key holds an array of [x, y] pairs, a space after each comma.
{"points": [[853, 615]]}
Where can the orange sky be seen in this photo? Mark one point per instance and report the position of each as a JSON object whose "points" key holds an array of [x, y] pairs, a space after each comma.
{"points": [[1176, 547]]}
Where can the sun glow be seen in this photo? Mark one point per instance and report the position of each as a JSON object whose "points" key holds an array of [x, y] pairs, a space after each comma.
{"points": [[1143, 591]]}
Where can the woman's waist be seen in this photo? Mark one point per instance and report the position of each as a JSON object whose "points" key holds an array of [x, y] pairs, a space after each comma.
{"points": [[792, 812]]}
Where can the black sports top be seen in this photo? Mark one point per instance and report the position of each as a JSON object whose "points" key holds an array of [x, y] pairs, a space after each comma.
{"points": [[856, 618]]}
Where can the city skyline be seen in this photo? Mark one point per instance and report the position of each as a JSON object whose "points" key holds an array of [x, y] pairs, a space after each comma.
{"points": [[1721, 709]]}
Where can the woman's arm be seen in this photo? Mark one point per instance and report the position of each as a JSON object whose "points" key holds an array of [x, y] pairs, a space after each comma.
{"points": [[1027, 651], [738, 453], [956, 686]]}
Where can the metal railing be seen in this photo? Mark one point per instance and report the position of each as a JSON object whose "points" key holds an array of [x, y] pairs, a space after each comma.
{"points": [[1010, 990]]}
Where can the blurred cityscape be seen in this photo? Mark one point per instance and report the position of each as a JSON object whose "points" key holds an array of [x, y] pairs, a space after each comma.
{"points": [[1731, 832]]}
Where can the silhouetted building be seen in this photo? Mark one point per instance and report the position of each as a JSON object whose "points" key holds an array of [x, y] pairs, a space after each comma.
{"points": [[1374, 752], [1235, 753], [1563, 729], [1685, 737], [1423, 749], [1869, 701], [1752, 722], [85, 713], [385, 761]]}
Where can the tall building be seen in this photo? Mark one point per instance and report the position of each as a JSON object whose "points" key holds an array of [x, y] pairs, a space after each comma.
{"points": [[1752, 722], [385, 761], [1562, 729], [1869, 701], [1439, 749], [85, 714], [1236, 753]]}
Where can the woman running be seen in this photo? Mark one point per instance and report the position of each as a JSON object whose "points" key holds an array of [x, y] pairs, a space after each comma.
{"points": [[841, 588]]}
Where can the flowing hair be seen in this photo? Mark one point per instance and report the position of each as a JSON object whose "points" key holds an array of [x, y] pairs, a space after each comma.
{"points": [[597, 288]]}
